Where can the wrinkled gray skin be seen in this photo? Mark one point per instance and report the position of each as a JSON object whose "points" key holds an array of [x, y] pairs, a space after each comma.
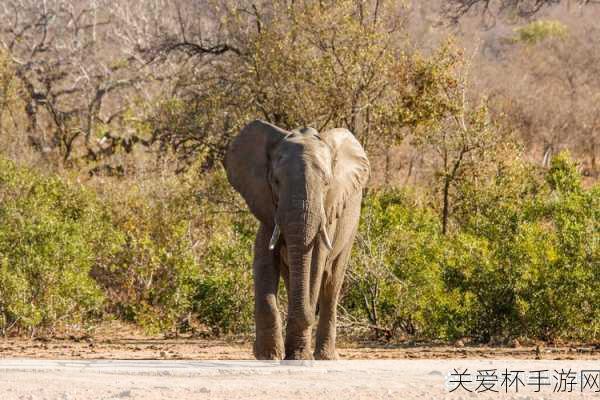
{"points": [[309, 187]]}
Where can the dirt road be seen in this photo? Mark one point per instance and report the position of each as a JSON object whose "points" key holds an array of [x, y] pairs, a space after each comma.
{"points": [[138, 367], [367, 379], [143, 348]]}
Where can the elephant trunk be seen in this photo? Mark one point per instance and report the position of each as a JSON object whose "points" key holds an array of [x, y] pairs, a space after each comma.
{"points": [[305, 256], [305, 227], [300, 221], [300, 309]]}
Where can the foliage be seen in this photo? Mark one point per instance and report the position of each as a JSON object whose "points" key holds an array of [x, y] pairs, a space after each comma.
{"points": [[175, 255], [131, 251], [551, 106], [346, 70], [9, 88], [511, 10], [540, 258], [223, 298], [150, 279], [50, 238], [12, 108], [463, 139], [522, 263], [539, 30], [184, 262], [484, 245], [394, 278]]}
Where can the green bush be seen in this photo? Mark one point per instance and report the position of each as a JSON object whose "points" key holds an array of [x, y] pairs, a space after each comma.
{"points": [[522, 261], [175, 254], [151, 278], [538, 274], [224, 296], [51, 233], [395, 276], [185, 259], [153, 253], [538, 31]]}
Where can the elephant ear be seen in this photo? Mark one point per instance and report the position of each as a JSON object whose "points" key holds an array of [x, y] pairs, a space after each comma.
{"points": [[351, 169], [247, 164]]}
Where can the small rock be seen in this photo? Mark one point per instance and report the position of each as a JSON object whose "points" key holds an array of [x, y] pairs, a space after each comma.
{"points": [[459, 343], [204, 390]]}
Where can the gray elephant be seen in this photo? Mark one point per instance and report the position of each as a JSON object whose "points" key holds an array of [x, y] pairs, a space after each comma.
{"points": [[305, 188]]}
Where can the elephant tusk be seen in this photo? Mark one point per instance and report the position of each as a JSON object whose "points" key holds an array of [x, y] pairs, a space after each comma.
{"points": [[324, 229], [274, 237], [326, 237]]}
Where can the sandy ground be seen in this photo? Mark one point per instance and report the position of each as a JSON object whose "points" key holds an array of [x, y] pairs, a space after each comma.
{"points": [[374, 379], [142, 348], [127, 365]]}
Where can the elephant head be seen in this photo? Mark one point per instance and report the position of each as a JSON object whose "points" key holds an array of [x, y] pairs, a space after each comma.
{"points": [[296, 183], [297, 180]]}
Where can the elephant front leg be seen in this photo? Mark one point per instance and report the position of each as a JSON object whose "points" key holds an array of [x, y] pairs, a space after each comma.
{"points": [[298, 339], [269, 339], [326, 330]]}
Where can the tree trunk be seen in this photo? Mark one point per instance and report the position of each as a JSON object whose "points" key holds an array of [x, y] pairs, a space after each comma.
{"points": [[446, 206]]}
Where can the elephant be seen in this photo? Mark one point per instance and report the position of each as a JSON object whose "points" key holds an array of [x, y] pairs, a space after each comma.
{"points": [[305, 189]]}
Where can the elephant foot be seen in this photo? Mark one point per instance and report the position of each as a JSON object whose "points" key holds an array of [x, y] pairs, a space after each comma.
{"points": [[270, 353], [299, 355], [268, 356], [274, 355], [326, 355]]}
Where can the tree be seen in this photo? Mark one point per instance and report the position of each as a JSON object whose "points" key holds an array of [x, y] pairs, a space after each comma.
{"points": [[552, 102], [462, 138], [10, 103], [74, 71], [490, 9], [309, 63]]}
